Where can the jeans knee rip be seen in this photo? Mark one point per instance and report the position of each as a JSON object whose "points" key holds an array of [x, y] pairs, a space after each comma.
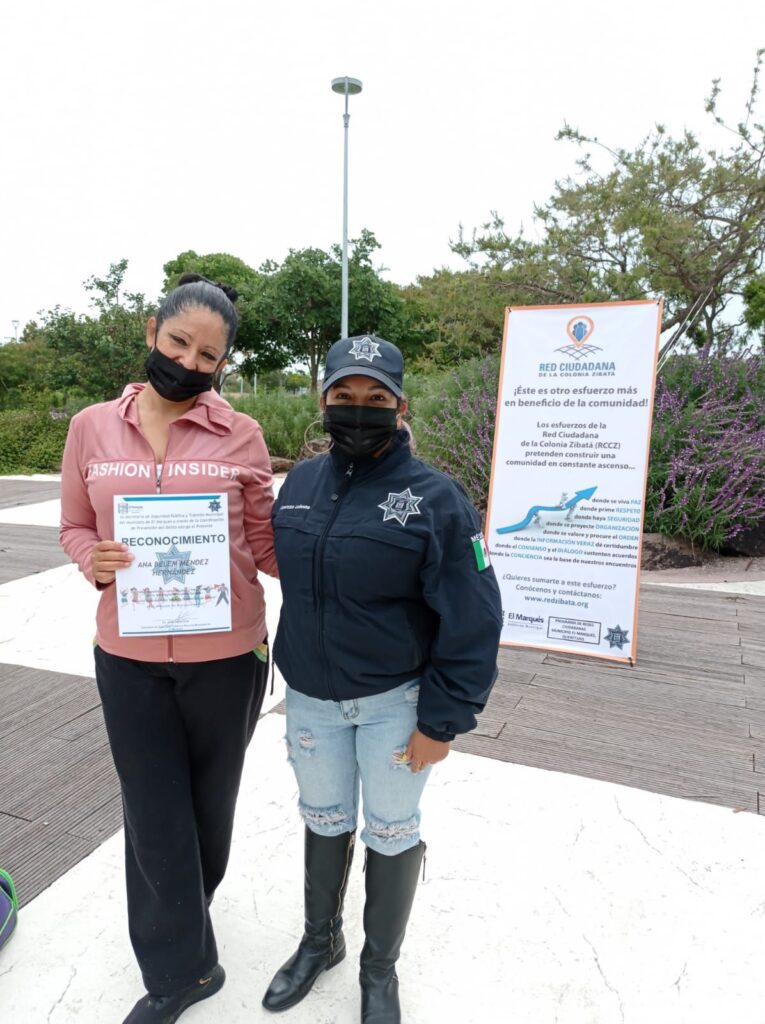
{"points": [[323, 817], [398, 759], [412, 695], [392, 831], [306, 743]]}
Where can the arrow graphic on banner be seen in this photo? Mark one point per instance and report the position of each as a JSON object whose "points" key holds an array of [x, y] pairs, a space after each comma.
{"points": [[571, 503]]}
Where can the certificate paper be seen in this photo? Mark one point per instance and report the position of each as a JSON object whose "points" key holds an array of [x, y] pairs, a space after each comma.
{"points": [[179, 580]]}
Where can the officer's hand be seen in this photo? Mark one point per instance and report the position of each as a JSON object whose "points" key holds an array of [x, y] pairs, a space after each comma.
{"points": [[106, 557], [422, 751]]}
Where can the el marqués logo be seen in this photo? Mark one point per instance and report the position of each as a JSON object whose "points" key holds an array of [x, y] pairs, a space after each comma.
{"points": [[578, 353]]}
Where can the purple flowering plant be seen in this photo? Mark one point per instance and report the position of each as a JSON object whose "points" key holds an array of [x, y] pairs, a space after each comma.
{"points": [[453, 423], [706, 478]]}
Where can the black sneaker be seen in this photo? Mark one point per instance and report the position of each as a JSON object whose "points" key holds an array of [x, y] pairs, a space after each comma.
{"points": [[167, 1009]]}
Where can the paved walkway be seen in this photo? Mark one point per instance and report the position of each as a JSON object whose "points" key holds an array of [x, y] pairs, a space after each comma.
{"points": [[558, 897]]}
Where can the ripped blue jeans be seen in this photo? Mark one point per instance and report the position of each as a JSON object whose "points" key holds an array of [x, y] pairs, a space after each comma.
{"points": [[334, 746]]}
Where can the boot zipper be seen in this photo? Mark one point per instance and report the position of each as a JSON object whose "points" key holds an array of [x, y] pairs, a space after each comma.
{"points": [[341, 894]]}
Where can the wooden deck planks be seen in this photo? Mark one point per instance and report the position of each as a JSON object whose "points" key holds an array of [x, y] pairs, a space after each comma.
{"points": [[38, 854], [26, 550], [59, 794], [687, 720], [27, 492]]}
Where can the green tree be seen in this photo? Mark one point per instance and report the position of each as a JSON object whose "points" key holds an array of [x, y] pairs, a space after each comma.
{"points": [[455, 315], [263, 353], [667, 218], [298, 307], [22, 366], [754, 298], [93, 356], [375, 306]]}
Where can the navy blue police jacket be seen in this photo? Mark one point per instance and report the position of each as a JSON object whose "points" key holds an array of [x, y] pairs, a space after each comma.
{"points": [[383, 582]]}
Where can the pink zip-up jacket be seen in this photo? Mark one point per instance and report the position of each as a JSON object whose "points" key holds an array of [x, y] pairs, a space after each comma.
{"points": [[210, 446]]}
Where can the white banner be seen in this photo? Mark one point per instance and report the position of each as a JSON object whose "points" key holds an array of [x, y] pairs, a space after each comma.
{"points": [[565, 514]]}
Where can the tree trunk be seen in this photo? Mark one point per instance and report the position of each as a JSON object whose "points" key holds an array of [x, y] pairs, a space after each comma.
{"points": [[313, 368]]}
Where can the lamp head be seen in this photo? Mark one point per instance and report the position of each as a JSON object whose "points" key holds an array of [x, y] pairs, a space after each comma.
{"points": [[351, 86]]}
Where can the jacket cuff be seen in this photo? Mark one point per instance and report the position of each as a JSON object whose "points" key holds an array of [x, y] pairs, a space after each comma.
{"points": [[434, 734]]}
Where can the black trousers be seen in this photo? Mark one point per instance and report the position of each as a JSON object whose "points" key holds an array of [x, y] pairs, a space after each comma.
{"points": [[178, 734]]}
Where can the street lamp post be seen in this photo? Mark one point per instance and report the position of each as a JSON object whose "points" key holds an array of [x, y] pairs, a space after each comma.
{"points": [[15, 329], [346, 87]]}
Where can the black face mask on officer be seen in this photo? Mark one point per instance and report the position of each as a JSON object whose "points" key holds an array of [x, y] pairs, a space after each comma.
{"points": [[173, 381], [359, 430]]}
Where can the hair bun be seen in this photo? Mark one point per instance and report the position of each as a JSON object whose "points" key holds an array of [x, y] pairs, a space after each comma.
{"points": [[190, 277]]}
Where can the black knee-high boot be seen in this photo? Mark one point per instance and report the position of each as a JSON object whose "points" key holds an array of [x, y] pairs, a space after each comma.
{"points": [[327, 867], [390, 886]]}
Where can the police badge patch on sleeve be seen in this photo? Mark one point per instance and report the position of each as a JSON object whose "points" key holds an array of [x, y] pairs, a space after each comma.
{"points": [[481, 552]]}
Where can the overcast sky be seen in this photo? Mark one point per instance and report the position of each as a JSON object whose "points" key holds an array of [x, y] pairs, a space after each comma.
{"points": [[141, 129]]}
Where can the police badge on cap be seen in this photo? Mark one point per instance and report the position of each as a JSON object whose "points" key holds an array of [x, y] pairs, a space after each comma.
{"points": [[368, 356]]}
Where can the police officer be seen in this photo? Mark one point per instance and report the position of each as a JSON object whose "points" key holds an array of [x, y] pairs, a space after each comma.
{"points": [[388, 642]]}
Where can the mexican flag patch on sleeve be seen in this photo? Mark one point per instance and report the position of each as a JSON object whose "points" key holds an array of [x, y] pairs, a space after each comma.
{"points": [[481, 552]]}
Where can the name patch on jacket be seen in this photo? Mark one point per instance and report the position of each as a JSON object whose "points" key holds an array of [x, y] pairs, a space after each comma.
{"points": [[146, 471]]}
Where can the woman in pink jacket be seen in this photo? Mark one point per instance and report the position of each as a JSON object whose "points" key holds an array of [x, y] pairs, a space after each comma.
{"points": [[179, 710]]}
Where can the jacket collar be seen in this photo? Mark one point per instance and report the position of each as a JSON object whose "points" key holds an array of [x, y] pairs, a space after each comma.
{"points": [[210, 410]]}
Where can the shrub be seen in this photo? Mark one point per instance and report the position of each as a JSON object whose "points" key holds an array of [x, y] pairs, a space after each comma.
{"points": [[706, 476], [283, 417], [453, 422], [31, 441]]}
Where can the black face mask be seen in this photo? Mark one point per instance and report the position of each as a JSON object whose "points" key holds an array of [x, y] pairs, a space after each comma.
{"points": [[173, 381], [359, 430]]}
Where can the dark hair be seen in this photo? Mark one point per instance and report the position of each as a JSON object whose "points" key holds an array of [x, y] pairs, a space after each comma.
{"points": [[193, 291]]}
